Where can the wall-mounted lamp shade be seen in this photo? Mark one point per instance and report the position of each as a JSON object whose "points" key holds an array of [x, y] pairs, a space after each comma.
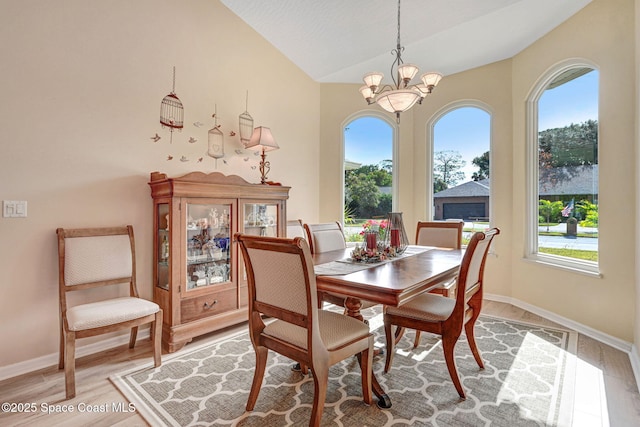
{"points": [[262, 139]]}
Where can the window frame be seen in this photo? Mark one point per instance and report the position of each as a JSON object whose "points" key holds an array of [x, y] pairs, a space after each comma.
{"points": [[531, 252]]}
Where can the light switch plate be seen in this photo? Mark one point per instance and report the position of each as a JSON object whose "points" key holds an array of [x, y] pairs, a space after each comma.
{"points": [[14, 208]]}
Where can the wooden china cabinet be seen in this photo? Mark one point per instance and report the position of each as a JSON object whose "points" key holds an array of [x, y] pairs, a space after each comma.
{"points": [[199, 277]]}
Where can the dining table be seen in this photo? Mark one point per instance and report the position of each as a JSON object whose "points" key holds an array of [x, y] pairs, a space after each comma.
{"points": [[390, 282]]}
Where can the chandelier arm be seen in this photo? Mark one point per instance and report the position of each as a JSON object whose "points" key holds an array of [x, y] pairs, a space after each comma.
{"points": [[384, 88]]}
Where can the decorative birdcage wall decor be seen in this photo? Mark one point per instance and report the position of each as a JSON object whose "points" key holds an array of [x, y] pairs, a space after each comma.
{"points": [[395, 234], [171, 110], [216, 140], [246, 124]]}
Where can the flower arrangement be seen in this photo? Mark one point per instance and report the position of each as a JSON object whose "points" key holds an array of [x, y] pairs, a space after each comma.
{"points": [[363, 254], [373, 225]]}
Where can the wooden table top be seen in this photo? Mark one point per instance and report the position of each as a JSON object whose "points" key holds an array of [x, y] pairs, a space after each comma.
{"points": [[391, 283]]}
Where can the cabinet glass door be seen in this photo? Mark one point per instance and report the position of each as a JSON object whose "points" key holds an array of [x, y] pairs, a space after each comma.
{"points": [[261, 219], [208, 232], [162, 257]]}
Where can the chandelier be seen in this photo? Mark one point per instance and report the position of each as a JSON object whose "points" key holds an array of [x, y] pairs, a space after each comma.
{"points": [[401, 96]]}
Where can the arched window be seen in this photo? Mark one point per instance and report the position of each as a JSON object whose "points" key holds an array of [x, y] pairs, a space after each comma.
{"points": [[562, 161], [460, 164], [369, 174]]}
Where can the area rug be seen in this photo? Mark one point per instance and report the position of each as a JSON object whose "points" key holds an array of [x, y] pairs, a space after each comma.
{"points": [[527, 381]]}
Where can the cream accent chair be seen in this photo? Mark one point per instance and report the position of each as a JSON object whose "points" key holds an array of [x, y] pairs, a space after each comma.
{"points": [[89, 258], [446, 316], [282, 286], [295, 229]]}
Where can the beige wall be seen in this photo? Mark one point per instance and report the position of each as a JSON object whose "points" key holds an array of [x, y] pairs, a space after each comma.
{"points": [[81, 86], [602, 33], [637, 182]]}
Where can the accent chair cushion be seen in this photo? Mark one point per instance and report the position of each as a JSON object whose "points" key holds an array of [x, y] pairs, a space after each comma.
{"points": [[336, 330], [108, 312], [426, 307]]}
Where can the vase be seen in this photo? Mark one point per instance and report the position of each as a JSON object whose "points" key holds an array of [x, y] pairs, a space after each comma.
{"points": [[395, 234]]}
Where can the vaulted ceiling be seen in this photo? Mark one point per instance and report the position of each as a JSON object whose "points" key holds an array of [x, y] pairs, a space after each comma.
{"points": [[340, 40]]}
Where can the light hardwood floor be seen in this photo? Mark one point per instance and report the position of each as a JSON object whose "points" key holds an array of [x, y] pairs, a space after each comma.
{"points": [[606, 391]]}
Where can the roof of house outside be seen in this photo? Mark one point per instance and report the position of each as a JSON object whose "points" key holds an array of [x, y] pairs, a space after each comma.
{"points": [[584, 181], [468, 189]]}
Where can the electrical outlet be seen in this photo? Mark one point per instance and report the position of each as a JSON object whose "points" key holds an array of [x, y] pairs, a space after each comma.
{"points": [[14, 208]]}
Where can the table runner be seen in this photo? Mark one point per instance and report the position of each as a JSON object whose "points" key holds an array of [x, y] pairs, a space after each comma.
{"points": [[348, 265]]}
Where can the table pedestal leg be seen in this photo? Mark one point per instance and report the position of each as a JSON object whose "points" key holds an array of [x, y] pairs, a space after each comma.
{"points": [[353, 306]]}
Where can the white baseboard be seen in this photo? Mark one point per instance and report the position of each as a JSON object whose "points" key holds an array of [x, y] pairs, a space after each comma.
{"points": [[42, 362], [630, 349], [571, 324], [635, 363]]}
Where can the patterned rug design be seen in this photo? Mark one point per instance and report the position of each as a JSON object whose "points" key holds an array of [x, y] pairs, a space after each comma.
{"points": [[527, 381]]}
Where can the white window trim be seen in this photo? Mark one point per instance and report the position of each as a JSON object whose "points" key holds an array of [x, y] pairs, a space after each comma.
{"points": [[590, 268]]}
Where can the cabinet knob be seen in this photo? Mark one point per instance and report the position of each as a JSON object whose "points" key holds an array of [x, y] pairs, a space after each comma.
{"points": [[207, 306]]}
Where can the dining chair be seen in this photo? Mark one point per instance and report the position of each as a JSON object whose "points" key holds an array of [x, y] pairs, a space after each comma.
{"points": [[327, 237], [295, 229], [446, 316], [442, 234], [90, 258], [282, 286]]}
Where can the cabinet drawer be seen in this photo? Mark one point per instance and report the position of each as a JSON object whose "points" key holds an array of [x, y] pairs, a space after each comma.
{"points": [[208, 305]]}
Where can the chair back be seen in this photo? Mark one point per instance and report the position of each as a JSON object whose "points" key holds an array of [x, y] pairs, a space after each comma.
{"points": [[280, 278], [295, 229], [325, 237], [442, 234], [471, 273], [93, 257]]}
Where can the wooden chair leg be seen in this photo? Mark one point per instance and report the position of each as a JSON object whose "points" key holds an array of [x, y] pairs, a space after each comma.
{"points": [[320, 380], [61, 356], [156, 334], [471, 339], [70, 365], [134, 335], [258, 375], [391, 345], [416, 342], [448, 345], [399, 333]]}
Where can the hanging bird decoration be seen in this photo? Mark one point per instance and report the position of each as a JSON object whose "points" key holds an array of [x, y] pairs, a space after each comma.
{"points": [[155, 138], [216, 140], [246, 124], [171, 110]]}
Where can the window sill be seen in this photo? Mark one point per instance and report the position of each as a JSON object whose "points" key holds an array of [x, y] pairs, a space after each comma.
{"points": [[576, 266]]}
